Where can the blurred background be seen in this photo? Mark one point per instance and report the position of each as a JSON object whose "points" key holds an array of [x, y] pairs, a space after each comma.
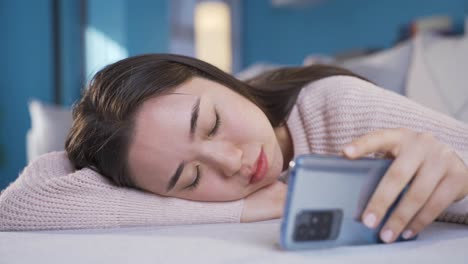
{"points": [[51, 48]]}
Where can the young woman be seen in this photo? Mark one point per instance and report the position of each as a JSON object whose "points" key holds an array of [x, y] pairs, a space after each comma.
{"points": [[180, 141]]}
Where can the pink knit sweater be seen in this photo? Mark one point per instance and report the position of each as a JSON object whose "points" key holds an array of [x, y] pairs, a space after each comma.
{"points": [[329, 113]]}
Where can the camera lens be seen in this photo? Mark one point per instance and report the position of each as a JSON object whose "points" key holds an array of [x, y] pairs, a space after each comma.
{"points": [[301, 233], [313, 225], [312, 233], [315, 220]]}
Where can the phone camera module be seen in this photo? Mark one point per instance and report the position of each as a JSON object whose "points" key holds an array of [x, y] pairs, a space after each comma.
{"points": [[313, 225]]}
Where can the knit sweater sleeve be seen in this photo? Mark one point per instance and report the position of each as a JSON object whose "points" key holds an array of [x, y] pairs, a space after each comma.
{"points": [[50, 195], [338, 109]]}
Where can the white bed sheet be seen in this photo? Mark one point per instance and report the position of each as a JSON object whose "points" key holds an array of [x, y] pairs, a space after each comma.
{"points": [[219, 243]]}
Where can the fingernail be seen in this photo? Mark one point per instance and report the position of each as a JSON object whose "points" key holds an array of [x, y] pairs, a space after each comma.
{"points": [[407, 234], [387, 235], [349, 150], [369, 220]]}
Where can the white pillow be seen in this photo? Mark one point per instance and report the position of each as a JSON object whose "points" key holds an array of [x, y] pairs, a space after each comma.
{"points": [[49, 128], [387, 68], [437, 76]]}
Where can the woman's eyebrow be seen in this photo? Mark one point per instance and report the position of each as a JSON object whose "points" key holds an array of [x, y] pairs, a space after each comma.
{"points": [[194, 118]]}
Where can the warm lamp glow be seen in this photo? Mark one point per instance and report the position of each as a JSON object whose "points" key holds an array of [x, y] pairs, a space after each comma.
{"points": [[213, 34]]}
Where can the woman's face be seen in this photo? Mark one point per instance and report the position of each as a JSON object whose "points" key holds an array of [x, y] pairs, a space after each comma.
{"points": [[178, 134]]}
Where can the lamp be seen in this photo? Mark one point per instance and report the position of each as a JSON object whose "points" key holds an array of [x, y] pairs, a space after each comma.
{"points": [[213, 34]]}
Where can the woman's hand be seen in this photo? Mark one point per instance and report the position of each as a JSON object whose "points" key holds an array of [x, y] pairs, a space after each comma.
{"points": [[266, 203], [439, 177]]}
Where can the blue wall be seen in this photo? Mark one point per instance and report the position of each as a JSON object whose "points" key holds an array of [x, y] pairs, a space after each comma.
{"points": [[287, 35], [72, 66], [26, 71], [148, 26], [125, 28]]}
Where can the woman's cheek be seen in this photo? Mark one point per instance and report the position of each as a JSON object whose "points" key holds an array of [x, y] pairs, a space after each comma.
{"points": [[219, 191]]}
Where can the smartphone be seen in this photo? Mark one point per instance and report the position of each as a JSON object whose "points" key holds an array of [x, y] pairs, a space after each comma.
{"points": [[326, 197]]}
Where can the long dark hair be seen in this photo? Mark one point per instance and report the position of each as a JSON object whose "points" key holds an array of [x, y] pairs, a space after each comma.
{"points": [[103, 119]]}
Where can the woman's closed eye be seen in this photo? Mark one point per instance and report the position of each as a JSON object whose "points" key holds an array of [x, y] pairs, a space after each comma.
{"points": [[216, 125], [213, 132], [194, 184]]}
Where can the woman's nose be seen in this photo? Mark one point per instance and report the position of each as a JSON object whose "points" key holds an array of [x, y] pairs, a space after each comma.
{"points": [[223, 155]]}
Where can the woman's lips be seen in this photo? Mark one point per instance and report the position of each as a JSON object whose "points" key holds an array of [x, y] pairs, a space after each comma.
{"points": [[260, 168]]}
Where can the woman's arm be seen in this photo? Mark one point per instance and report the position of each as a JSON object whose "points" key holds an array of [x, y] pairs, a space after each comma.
{"points": [[49, 195]]}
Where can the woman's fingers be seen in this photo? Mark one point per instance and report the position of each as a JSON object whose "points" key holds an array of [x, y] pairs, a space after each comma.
{"points": [[440, 199], [449, 189], [437, 174], [399, 174], [387, 141], [411, 150], [409, 158], [423, 185]]}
